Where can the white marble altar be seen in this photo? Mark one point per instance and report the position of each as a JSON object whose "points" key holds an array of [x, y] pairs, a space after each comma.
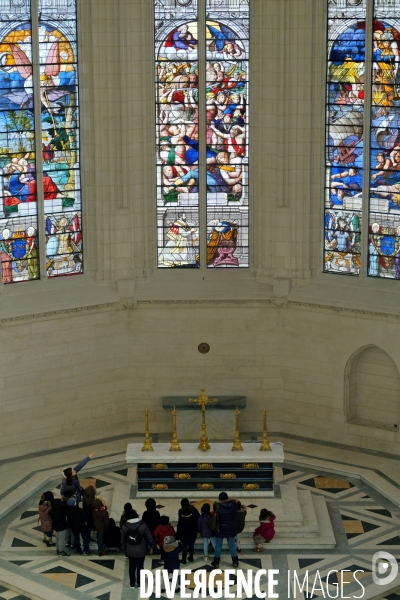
{"points": [[218, 453]]}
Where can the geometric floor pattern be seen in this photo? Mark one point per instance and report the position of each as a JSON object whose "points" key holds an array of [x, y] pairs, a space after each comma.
{"points": [[362, 520]]}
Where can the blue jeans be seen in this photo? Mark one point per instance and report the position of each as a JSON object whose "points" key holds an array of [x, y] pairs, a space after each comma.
{"points": [[100, 541], [231, 544], [85, 539], [205, 544]]}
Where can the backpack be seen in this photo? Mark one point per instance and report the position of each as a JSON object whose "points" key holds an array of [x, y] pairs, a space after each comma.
{"points": [[135, 537]]}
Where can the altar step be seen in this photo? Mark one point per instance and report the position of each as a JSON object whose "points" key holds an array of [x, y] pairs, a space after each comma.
{"points": [[302, 518], [314, 532]]}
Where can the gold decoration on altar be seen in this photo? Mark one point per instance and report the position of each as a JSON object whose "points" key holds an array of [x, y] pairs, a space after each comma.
{"points": [[159, 466], [205, 466], [265, 443], [237, 444], [159, 486], [147, 447], [202, 401], [205, 486], [250, 466], [182, 476], [227, 476], [174, 444], [251, 486]]}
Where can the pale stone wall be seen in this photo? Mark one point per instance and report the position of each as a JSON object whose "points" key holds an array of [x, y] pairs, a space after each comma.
{"points": [[281, 333]]}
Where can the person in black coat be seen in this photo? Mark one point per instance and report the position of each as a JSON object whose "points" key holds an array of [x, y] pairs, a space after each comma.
{"points": [[186, 531], [186, 504], [151, 516], [136, 539], [78, 525], [226, 510], [58, 516]]}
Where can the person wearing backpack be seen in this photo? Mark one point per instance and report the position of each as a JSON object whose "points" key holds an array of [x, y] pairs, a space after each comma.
{"points": [[135, 539]]}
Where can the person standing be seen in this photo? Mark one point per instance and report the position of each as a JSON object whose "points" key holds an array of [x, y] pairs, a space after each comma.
{"points": [[101, 522], [58, 516], [186, 531], [204, 529], [71, 478], [226, 510], [46, 523], [135, 540]]}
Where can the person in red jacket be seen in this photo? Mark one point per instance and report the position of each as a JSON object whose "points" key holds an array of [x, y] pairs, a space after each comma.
{"points": [[163, 530], [265, 531]]}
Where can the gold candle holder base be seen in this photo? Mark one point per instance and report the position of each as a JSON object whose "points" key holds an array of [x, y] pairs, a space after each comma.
{"points": [[237, 444], [147, 447], [265, 443], [174, 444]]}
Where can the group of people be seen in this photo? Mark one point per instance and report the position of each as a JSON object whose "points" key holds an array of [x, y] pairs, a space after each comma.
{"points": [[151, 533]]}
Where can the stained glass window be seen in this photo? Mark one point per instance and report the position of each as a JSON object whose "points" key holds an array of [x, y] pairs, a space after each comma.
{"points": [[344, 136], [202, 163], [39, 146], [384, 207]]}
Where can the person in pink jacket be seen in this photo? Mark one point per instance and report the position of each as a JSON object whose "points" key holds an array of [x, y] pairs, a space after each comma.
{"points": [[265, 531], [46, 523]]}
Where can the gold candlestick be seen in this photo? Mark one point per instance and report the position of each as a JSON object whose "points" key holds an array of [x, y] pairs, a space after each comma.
{"points": [[147, 447], [203, 400], [174, 444], [237, 444], [265, 443]]}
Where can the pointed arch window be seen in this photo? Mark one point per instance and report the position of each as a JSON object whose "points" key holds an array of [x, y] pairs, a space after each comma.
{"points": [[362, 190], [40, 197], [202, 132]]}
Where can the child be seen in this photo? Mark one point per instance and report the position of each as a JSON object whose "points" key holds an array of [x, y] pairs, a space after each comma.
{"points": [[77, 523], [46, 524], [122, 521], [205, 532], [112, 537], [266, 530], [58, 516], [170, 554], [163, 530], [101, 522], [239, 521], [186, 531]]}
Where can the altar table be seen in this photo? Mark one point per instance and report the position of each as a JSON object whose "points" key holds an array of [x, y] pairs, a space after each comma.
{"points": [[194, 473]]}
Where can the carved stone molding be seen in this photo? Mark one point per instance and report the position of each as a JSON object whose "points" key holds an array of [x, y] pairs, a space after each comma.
{"points": [[57, 313]]}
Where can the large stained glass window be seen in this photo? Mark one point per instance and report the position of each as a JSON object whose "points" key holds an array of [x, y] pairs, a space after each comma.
{"points": [[344, 136], [39, 149], [202, 149]]}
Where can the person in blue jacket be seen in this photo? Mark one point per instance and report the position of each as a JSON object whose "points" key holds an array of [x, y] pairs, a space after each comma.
{"points": [[70, 479]]}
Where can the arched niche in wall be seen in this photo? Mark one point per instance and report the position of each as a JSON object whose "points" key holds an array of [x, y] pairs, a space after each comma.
{"points": [[372, 389]]}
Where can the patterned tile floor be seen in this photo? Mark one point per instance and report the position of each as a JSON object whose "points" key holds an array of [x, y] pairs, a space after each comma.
{"points": [[363, 522]]}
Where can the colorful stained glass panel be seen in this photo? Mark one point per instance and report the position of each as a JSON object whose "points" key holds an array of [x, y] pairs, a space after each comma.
{"points": [[177, 135], [227, 133], [18, 201], [60, 137], [384, 201], [344, 137]]}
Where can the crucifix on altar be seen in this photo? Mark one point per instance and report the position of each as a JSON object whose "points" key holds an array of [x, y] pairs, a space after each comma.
{"points": [[202, 401]]}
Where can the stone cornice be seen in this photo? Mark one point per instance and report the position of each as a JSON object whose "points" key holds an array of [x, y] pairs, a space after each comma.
{"points": [[240, 303]]}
